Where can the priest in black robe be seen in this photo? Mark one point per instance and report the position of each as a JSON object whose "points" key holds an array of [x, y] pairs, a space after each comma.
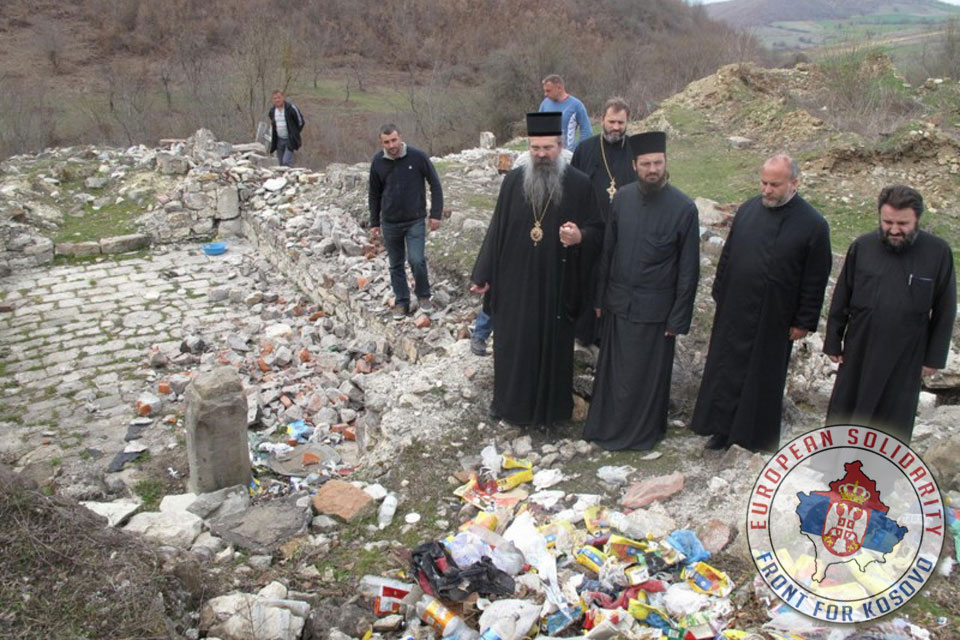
{"points": [[648, 274], [891, 318], [608, 160], [769, 290], [545, 223]]}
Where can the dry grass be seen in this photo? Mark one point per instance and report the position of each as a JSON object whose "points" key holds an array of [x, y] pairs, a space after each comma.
{"points": [[64, 575]]}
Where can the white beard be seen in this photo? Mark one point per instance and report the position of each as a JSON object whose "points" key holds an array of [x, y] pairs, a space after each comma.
{"points": [[541, 183]]}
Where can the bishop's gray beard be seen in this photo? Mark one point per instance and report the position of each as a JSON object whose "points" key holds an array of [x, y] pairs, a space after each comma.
{"points": [[543, 181], [647, 188]]}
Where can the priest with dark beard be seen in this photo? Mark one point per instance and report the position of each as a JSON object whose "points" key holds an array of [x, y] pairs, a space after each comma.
{"points": [[891, 318], [608, 160], [769, 288], [545, 224], [648, 274]]}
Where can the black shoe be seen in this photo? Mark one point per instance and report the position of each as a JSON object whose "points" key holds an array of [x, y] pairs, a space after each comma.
{"points": [[478, 346], [717, 442]]}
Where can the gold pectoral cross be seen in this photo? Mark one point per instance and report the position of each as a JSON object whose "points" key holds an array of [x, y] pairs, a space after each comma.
{"points": [[612, 189]]}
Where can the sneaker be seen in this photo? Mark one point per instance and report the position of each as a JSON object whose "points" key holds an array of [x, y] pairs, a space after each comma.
{"points": [[478, 346], [400, 311], [426, 306]]}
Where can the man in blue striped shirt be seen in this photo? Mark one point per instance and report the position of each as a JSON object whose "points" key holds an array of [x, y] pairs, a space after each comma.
{"points": [[556, 98]]}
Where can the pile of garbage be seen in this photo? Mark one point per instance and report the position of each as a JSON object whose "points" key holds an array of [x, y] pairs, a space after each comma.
{"points": [[545, 564], [527, 562]]}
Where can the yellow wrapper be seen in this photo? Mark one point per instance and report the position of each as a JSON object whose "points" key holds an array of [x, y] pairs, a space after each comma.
{"points": [[511, 481], [595, 519], [591, 558], [625, 549], [509, 462], [708, 580]]}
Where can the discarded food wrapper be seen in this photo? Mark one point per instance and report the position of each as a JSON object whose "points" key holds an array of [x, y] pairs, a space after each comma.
{"points": [[637, 574], [703, 578], [650, 615], [299, 431], [595, 519], [486, 519], [509, 462], [561, 620], [509, 482], [625, 549], [387, 594], [591, 558]]}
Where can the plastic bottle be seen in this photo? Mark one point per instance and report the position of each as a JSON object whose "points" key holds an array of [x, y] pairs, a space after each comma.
{"points": [[387, 508], [445, 622], [625, 525]]}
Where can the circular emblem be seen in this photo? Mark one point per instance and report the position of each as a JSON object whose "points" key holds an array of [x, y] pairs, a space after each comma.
{"points": [[845, 523]]}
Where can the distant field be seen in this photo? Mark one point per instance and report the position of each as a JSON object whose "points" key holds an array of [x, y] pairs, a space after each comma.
{"points": [[893, 28]]}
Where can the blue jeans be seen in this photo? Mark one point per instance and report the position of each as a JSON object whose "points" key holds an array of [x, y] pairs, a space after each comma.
{"points": [[413, 235], [284, 152], [483, 326]]}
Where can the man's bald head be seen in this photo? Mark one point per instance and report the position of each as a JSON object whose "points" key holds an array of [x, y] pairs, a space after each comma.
{"points": [[778, 180]]}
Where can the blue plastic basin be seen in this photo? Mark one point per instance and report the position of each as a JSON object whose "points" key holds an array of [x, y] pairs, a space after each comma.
{"points": [[214, 248]]}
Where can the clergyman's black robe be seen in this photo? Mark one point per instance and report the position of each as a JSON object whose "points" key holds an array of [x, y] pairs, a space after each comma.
{"points": [[771, 276], [535, 293], [892, 314], [588, 159], [648, 274]]}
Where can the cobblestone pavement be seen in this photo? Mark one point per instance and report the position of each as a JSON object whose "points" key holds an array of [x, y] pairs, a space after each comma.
{"points": [[74, 348]]}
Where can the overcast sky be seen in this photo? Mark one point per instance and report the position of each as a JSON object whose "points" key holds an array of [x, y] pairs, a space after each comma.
{"points": [[957, 2]]}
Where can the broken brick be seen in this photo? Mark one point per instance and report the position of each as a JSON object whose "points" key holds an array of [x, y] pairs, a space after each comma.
{"points": [[343, 501]]}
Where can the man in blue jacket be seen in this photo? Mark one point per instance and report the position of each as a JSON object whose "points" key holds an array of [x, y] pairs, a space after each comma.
{"points": [[398, 208]]}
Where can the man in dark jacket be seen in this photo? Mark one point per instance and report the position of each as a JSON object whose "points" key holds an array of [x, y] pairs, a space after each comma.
{"points": [[398, 208], [287, 123]]}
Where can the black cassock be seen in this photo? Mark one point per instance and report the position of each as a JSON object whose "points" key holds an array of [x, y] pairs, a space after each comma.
{"points": [[535, 293], [891, 315], [771, 276], [649, 271], [588, 158]]}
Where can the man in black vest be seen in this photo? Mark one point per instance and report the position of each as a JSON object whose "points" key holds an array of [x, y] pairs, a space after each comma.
{"points": [[287, 123]]}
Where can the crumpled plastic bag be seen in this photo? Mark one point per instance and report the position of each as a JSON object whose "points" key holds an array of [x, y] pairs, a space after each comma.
{"points": [[513, 618], [491, 460], [467, 549], [615, 475], [687, 543], [546, 478], [680, 600], [524, 534]]}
